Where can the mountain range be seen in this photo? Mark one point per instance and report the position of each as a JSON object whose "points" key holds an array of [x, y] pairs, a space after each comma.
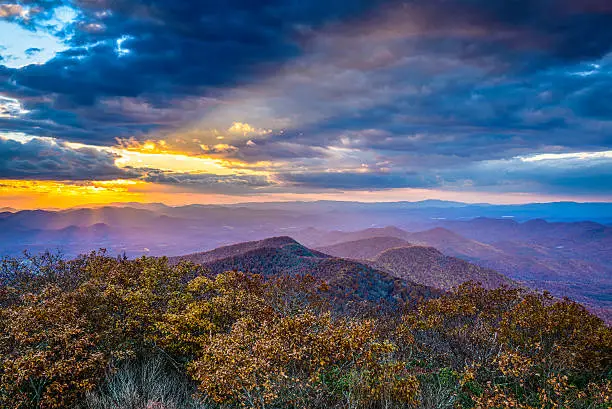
{"points": [[348, 280], [567, 259], [422, 264], [561, 247]]}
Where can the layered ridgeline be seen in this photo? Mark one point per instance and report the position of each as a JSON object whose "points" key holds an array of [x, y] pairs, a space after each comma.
{"points": [[348, 280], [564, 255], [200, 331], [377, 268], [421, 264], [567, 259]]}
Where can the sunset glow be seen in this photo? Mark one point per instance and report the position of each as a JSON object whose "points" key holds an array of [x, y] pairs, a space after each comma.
{"points": [[52, 194], [480, 107], [180, 163]]}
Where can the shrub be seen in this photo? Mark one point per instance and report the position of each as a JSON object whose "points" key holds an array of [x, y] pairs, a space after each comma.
{"points": [[145, 384], [293, 361], [86, 331], [59, 336]]}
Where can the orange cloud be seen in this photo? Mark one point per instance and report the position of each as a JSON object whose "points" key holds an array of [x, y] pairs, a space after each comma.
{"points": [[180, 155], [26, 194], [11, 10], [32, 194], [245, 129]]}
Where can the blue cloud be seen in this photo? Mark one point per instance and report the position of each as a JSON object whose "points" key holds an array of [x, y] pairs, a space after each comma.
{"points": [[451, 84], [44, 159], [579, 176], [32, 51]]}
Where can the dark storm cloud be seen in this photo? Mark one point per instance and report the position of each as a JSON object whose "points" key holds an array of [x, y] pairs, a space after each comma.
{"points": [[595, 100], [173, 49], [566, 30], [468, 116], [557, 175], [42, 159], [164, 49], [453, 83]]}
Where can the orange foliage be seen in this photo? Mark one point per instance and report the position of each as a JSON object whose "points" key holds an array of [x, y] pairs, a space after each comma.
{"points": [[251, 341], [290, 360]]}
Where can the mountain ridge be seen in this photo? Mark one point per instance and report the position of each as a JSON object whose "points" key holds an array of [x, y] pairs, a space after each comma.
{"points": [[348, 279], [428, 266]]}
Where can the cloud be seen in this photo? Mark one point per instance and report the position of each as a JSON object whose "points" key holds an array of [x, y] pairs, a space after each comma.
{"points": [[579, 173], [218, 148], [10, 10], [358, 180], [210, 183], [10, 108], [174, 51], [182, 52], [32, 51], [438, 94], [412, 89], [44, 159]]}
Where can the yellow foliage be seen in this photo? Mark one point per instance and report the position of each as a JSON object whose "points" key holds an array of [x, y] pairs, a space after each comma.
{"points": [[289, 359], [250, 342]]}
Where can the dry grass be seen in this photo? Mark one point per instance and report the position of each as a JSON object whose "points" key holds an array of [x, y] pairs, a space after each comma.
{"points": [[150, 384]]}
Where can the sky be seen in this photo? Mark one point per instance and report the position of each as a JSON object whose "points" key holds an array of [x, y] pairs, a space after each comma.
{"points": [[229, 101]]}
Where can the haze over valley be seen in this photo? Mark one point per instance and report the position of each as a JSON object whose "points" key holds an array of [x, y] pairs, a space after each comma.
{"points": [[433, 243]]}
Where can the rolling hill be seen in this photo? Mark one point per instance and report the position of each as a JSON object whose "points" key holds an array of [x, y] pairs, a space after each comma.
{"points": [[240, 249], [363, 249], [420, 264], [453, 244], [428, 266], [348, 280], [443, 239], [568, 259], [313, 237], [546, 246]]}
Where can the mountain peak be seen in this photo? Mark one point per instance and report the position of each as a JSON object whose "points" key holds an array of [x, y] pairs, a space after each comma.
{"points": [[436, 234], [441, 230], [277, 241], [238, 249], [428, 266], [393, 231], [363, 249]]}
